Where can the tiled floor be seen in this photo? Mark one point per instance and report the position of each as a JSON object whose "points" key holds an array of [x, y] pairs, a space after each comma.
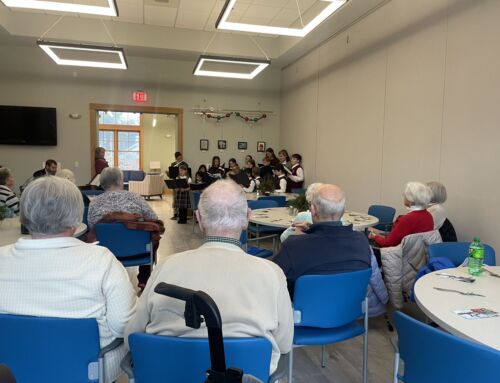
{"points": [[344, 363]]}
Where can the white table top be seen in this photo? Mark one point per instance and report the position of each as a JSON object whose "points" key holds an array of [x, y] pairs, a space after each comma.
{"points": [[280, 217], [253, 196], [439, 305], [10, 231]]}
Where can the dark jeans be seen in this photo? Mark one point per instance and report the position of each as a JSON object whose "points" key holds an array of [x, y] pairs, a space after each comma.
{"points": [[144, 273]]}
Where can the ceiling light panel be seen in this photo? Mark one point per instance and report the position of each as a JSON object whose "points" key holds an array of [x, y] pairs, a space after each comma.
{"points": [[312, 13], [104, 7], [84, 55], [229, 67]]}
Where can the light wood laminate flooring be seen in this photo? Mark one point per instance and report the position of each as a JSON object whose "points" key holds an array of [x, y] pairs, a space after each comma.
{"points": [[344, 362]]}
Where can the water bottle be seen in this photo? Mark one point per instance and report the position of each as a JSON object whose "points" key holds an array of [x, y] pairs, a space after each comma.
{"points": [[476, 257]]}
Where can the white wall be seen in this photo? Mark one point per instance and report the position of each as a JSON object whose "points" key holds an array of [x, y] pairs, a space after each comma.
{"points": [[159, 140], [29, 77], [408, 93]]}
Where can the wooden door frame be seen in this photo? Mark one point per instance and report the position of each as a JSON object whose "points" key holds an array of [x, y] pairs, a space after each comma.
{"points": [[93, 108]]}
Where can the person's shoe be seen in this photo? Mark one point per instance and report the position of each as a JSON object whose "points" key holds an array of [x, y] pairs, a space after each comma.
{"points": [[174, 217], [182, 222]]}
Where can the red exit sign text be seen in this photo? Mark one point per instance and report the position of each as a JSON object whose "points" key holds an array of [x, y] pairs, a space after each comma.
{"points": [[139, 96]]}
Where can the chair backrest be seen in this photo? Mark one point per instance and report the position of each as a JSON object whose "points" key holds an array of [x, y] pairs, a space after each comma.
{"points": [[385, 215], [39, 349], [280, 199], [457, 252], [123, 242], [262, 204], [185, 360], [92, 192], [431, 355], [331, 300], [194, 196], [298, 191], [85, 215]]}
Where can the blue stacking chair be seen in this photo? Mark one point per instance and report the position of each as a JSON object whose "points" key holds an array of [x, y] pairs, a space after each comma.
{"points": [[131, 247], [280, 199], [385, 215], [56, 350], [457, 252], [326, 310], [85, 215], [92, 192], [156, 358], [252, 250], [194, 197], [434, 356]]}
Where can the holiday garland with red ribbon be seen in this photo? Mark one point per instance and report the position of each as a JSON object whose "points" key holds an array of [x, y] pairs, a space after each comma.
{"points": [[216, 116], [250, 119]]}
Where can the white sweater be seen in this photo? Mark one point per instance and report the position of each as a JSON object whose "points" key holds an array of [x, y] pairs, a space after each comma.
{"points": [[67, 278], [251, 294]]}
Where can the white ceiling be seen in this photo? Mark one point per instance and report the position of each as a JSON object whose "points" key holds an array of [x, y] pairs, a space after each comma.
{"points": [[186, 27]]}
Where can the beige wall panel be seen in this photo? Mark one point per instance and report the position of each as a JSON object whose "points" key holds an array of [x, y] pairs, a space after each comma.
{"points": [[413, 111], [159, 140], [471, 134]]}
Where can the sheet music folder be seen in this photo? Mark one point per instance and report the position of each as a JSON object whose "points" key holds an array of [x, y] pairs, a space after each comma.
{"points": [[177, 184]]}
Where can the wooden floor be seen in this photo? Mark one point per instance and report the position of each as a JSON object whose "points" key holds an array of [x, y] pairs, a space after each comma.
{"points": [[344, 363]]}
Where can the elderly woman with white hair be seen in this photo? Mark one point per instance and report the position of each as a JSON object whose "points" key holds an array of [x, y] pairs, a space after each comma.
{"points": [[62, 276], [7, 196], [417, 197], [436, 208]]}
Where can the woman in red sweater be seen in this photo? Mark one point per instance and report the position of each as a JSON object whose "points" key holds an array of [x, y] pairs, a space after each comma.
{"points": [[416, 198]]}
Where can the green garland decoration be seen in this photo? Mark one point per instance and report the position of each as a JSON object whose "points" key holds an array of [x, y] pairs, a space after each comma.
{"points": [[250, 119], [217, 116]]}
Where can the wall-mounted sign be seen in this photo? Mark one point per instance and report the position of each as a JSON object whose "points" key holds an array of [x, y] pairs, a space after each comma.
{"points": [[139, 96]]}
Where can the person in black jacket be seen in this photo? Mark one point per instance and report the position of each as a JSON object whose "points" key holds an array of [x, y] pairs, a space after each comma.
{"points": [[49, 170]]}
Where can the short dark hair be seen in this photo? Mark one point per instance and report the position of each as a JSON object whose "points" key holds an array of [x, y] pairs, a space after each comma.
{"points": [[183, 167], [50, 163], [297, 157], [255, 171], [177, 154], [279, 168]]}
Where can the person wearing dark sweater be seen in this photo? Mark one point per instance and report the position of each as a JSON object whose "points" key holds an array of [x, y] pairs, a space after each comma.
{"points": [[417, 197], [326, 246]]}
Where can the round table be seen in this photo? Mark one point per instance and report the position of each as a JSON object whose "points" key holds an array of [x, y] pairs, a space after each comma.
{"points": [[10, 231], [254, 196], [280, 217], [439, 305]]}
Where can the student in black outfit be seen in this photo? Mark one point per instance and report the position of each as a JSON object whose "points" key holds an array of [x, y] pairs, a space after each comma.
{"points": [[266, 171], [216, 170], [181, 201]]}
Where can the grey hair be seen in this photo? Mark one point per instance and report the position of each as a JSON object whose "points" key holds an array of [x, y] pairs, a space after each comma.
{"points": [[4, 175], [98, 151], [223, 208], [66, 174], [438, 190], [326, 207], [418, 194], [311, 189], [51, 205], [111, 177]]}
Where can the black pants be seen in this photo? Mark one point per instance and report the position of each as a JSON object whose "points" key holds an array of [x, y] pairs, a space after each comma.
{"points": [[144, 273], [183, 212]]}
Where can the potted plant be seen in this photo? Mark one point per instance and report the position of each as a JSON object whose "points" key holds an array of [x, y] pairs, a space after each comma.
{"points": [[300, 203], [266, 186]]}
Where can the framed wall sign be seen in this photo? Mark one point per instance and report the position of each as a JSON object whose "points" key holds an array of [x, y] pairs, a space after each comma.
{"points": [[203, 144]]}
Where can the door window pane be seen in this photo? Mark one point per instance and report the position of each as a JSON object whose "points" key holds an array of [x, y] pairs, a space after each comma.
{"points": [[128, 160]]}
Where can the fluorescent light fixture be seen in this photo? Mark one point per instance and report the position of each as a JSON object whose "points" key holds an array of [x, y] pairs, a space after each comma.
{"points": [[222, 22], [49, 48], [247, 64], [110, 10]]}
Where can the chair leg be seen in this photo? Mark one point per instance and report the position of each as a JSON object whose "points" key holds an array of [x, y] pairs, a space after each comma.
{"points": [[290, 366], [365, 344], [396, 367], [323, 359]]}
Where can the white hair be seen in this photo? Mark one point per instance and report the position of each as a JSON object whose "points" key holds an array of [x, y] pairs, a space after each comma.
{"points": [[66, 174], [418, 194], [311, 189], [111, 177], [51, 205], [328, 207], [438, 190], [223, 208]]}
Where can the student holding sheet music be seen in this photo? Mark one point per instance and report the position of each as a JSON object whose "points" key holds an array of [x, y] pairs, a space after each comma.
{"points": [[181, 200], [296, 174], [173, 170], [280, 179], [254, 181], [216, 171]]}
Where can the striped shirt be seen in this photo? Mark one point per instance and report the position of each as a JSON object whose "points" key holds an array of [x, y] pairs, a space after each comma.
{"points": [[8, 198]]}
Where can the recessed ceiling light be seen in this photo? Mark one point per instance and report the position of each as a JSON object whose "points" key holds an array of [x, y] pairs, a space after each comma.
{"points": [[222, 22], [110, 10], [216, 66], [72, 54]]}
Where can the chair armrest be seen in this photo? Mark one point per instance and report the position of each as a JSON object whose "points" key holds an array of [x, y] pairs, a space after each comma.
{"points": [[126, 365], [114, 344]]}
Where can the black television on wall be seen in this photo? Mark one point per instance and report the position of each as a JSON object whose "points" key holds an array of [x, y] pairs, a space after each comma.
{"points": [[27, 125]]}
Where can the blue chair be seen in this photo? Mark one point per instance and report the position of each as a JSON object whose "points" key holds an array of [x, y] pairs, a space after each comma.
{"points": [[434, 356], [56, 350], [280, 199], [185, 360], [298, 191], [327, 309], [85, 215], [457, 252], [92, 192], [194, 197], [131, 247], [385, 215], [252, 250]]}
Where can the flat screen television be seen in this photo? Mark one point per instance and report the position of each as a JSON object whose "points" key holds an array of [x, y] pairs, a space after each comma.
{"points": [[26, 125]]}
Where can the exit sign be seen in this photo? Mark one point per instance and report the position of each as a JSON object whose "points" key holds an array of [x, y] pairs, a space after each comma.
{"points": [[139, 96]]}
